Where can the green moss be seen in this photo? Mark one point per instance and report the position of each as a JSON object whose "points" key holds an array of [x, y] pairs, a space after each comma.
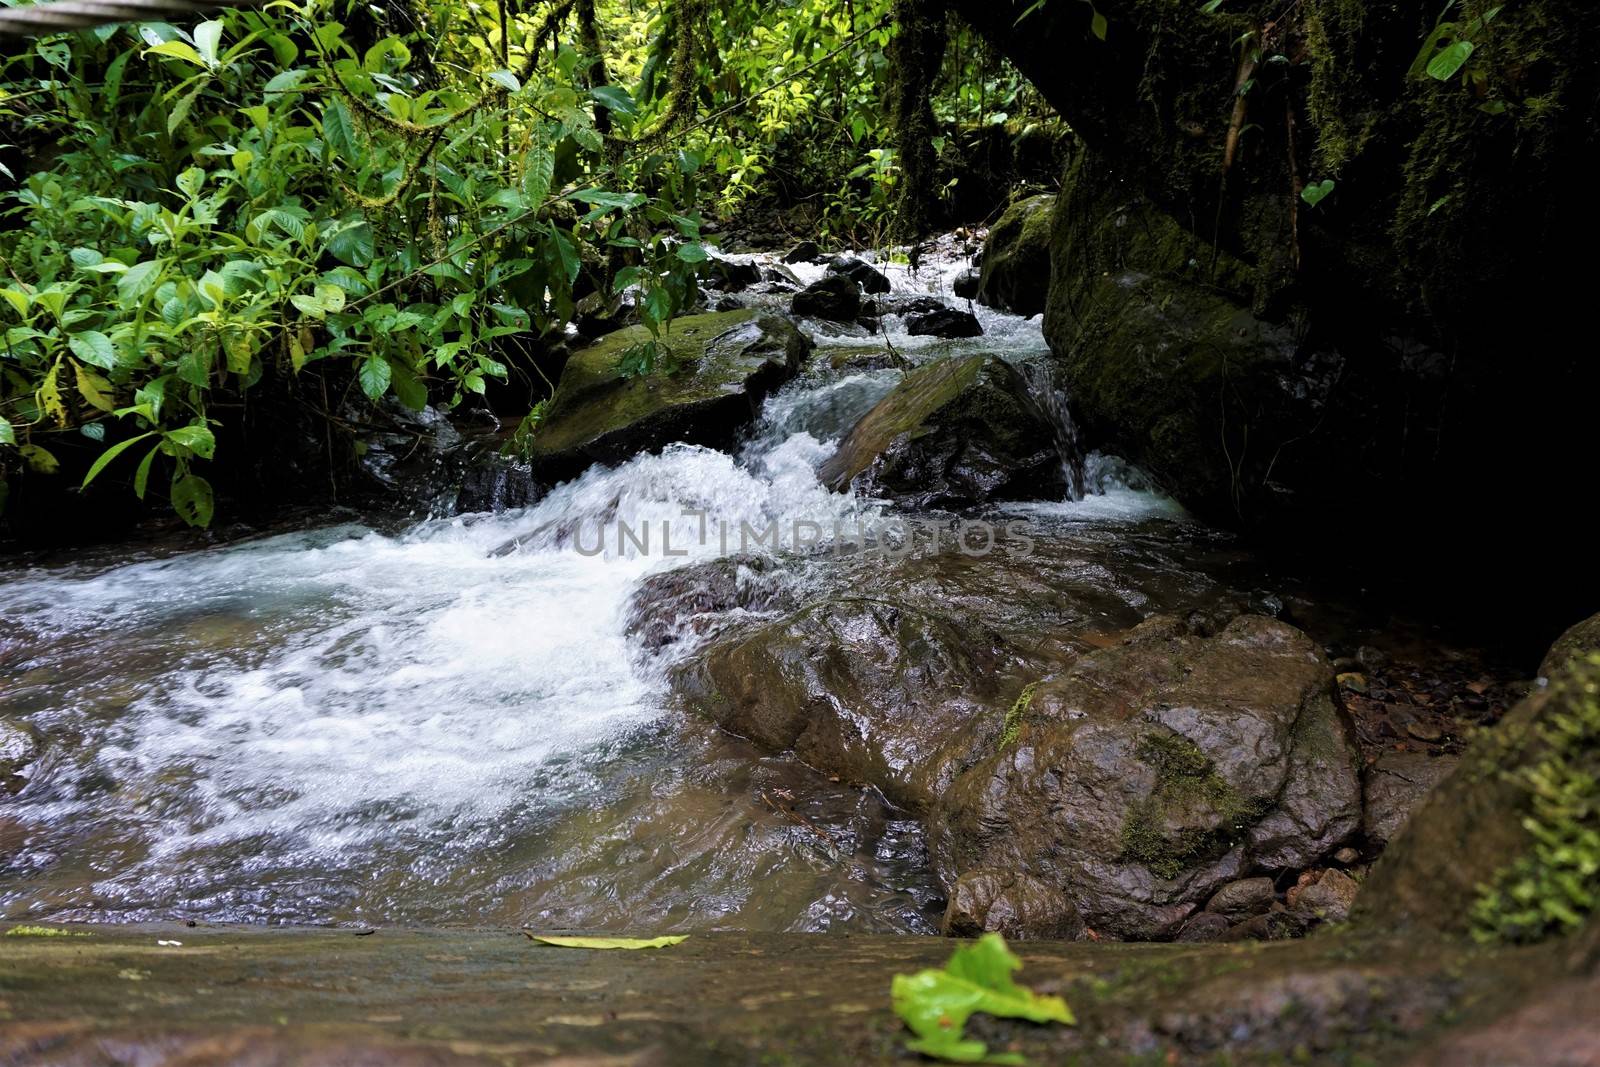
{"points": [[1013, 723], [1188, 791], [595, 398], [1554, 887], [43, 931]]}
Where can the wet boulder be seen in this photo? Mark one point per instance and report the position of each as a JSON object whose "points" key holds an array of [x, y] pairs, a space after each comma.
{"points": [[967, 283], [729, 275], [1011, 904], [833, 297], [956, 433], [804, 252], [943, 322], [871, 690], [712, 373], [1146, 777], [1394, 786], [864, 274], [1015, 275], [1579, 641]]}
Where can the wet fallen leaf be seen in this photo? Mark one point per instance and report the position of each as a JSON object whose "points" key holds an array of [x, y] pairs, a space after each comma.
{"points": [[606, 942], [936, 1004]]}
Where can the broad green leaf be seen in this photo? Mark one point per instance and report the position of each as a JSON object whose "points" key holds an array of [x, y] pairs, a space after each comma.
{"points": [[616, 98], [505, 80], [608, 942], [197, 439], [1098, 25], [141, 477], [180, 110], [606, 199], [48, 395], [177, 50], [408, 388], [86, 257], [690, 252], [110, 454], [936, 1004], [207, 36], [95, 390], [339, 130], [567, 254], [1317, 192], [17, 299], [192, 499], [40, 459], [352, 244], [94, 348], [138, 279], [538, 167], [8, 436], [375, 375], [1445, 65]]}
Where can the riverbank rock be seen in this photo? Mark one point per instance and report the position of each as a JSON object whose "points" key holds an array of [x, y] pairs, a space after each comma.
{"points": [[1579, 640], [832, 297], [1146, 777], [864, 274], [729, 275], [804, 252], [1471, 828], [1015, 275], [956, 433], [1395, 786], [722, 366], [943, 322]]}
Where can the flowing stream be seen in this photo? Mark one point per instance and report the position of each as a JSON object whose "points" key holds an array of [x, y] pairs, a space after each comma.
{"points": [[347, 725]]}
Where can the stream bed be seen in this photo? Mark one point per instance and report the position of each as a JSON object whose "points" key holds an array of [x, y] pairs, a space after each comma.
{"points": [[356, 724]]}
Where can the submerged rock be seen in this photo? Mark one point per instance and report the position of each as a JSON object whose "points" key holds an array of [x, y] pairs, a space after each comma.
{"points": [[956, 433], [18, 748], [833, 297], [721, 367], [944, 322], [1016, 258]]}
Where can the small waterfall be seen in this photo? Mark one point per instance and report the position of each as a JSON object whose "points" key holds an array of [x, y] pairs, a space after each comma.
{"points": [[1045, 388]]}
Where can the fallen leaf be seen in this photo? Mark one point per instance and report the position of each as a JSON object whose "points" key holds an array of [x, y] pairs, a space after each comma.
{"points": [[606, 942]]}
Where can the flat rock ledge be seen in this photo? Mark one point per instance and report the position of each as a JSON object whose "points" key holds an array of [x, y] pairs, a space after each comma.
{"points": [[267, 997]]}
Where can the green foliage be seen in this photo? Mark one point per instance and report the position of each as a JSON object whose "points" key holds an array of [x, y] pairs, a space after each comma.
{"points": [[1316, 192], [1014, 714], [936, 1004], [1448, 48], [267, 196], [1555, 887]]}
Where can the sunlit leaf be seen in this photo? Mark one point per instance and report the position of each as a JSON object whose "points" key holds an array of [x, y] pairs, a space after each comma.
{"points": [[605, 943]]}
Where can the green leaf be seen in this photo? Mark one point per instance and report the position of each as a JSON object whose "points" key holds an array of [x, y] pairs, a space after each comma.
{"points": [[177, 50], [197, 439], [207, 36], [608, 942], [339, 130], [141, 477], [352, 244], [375, 375], [616, 98], [110, 454], [1098, 25], [180, 111], [1445, 65], [505, 80], [936, 1004], [192, 499], [538, 169], [40, 459], [567, 253], [137, 279], [408, 388], [1210, 7], [94, 348], [690, 252], [8, 436], [1317, 192], [604, 198]]}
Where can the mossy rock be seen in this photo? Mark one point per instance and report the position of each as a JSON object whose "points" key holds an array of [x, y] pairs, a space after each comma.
{"points": [[719, 369], [1476, 827], [1578, 642], [956, 433], [1016, 258]]}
